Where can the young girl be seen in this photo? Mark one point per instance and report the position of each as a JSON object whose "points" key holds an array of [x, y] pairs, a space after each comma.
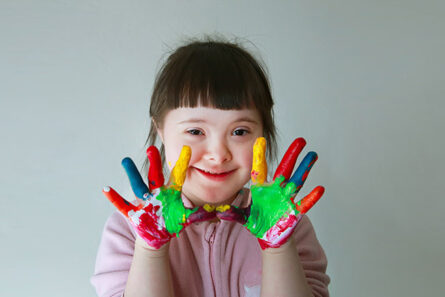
{"points": [[203, 233]]}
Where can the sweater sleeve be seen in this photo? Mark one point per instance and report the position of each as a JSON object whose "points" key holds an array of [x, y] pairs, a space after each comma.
{"points": [[312, 257], [114, 257]]}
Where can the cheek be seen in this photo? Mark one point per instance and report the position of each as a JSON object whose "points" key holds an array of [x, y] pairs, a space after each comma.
{"points": [[172, 153], [173, 147], [245, 161], [196, 154], [245, 157]]}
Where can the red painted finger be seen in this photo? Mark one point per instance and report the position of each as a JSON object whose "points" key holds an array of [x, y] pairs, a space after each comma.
{"points": [[120, 203], [155, 175], [290, 158], [307, 202]]}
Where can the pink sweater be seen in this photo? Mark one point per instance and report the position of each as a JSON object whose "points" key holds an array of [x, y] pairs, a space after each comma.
{"points": [[207, 259]]}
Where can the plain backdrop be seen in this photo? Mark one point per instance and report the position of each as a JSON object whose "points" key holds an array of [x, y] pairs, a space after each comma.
{"points": [[362, 81]]}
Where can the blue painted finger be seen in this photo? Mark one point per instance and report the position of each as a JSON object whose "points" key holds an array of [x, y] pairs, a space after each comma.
{"points": [[302, 172], [138, 186]]}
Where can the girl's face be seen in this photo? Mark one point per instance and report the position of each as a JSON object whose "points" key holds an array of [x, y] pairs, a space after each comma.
{"points": [[221, 143]]}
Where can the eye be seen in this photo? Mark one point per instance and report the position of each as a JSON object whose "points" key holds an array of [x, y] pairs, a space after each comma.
{"points": [[195, 132], [240, 132]]}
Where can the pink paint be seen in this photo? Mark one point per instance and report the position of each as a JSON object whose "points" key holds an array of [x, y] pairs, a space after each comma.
{"points": [[149, 229], [280, 232]]}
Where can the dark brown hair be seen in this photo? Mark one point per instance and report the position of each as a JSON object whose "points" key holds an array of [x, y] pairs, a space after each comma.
{"points": [[211, 73]]}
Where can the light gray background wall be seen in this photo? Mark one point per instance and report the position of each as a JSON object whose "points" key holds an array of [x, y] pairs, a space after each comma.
{"points": [[362, 81]]}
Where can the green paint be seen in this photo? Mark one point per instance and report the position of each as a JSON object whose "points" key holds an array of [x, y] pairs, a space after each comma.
{"points": [[173, 210], [269, 204]]}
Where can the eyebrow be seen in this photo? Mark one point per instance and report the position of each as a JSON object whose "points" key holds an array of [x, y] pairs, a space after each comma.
{"points": [[198, 120]]}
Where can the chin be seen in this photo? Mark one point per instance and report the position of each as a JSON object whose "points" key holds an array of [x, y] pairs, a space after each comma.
{"points": [[202, 189], [217, 197]]}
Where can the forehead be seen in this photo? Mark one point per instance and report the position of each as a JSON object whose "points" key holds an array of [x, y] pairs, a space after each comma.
{"points": [[208, 115]]}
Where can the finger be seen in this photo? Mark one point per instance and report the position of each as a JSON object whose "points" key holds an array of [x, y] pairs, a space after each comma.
{"points": [[137, 184], [179, 171], [155, 175], [120, 203], [307, 202], [259, 163], [290, 157], [303, 170]]}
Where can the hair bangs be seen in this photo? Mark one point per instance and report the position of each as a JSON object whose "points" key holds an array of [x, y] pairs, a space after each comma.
{"points": [[216, 78]]}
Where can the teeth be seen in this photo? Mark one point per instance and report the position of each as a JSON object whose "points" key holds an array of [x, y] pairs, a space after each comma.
{"points": [[210, 171]]}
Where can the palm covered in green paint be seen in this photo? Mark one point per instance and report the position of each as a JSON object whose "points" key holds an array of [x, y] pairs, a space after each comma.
{"points": [[274, 213], [161, 213], [277, 200]]}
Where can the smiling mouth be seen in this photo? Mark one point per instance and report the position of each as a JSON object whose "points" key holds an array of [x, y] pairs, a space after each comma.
{"points": [[214, 175]]}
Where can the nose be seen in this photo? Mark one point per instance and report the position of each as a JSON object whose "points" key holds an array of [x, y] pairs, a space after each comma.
{"points": [[218, 152]]}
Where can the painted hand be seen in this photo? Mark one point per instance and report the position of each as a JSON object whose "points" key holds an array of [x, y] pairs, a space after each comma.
{"points": [[160, 214], [274, 212]]}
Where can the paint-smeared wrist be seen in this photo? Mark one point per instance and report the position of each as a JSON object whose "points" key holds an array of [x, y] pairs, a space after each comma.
{"points": [[284, 248], [146, 248]]}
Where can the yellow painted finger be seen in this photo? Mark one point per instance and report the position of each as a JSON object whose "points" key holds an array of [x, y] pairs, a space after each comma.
{"points": [[259, 163], [180, 170]]}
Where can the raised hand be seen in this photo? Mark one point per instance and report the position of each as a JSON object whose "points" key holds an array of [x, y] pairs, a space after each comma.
{"points": [[274, 212], [160, 214]]}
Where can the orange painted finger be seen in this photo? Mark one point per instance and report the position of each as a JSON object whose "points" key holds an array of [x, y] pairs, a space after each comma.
{"points": [[259, 163], [120, 203], [307, 202], [180, 170]]}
